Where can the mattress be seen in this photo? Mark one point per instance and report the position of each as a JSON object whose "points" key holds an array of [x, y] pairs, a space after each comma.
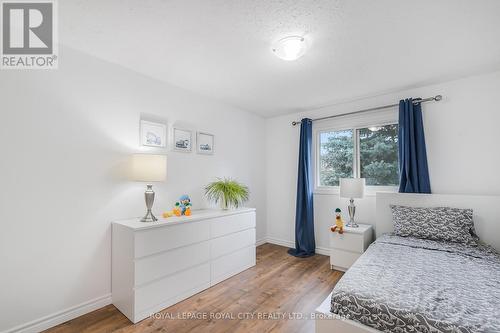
{"points": [[405, 284]]}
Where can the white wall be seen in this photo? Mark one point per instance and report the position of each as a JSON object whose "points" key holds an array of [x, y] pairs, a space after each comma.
{"points": [[462, 146], [64, 137]]}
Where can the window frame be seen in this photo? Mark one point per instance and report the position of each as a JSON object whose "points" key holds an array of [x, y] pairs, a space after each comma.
{"points": [[354, 123]]}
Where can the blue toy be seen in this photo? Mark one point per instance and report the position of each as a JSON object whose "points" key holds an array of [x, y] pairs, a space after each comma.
{"points": [[185, 204]]}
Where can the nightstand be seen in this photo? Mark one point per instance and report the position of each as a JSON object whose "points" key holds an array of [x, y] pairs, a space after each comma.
{"points": [[345, 249]]}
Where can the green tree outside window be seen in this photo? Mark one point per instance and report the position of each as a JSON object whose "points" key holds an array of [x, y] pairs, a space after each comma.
{"points": [[378, 156]]}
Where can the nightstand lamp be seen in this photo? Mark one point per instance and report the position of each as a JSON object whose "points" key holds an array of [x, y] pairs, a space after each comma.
{"points": [[352, 188], [149, 168]]}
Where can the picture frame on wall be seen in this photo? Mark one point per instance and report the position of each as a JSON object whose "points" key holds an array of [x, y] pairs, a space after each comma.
{"points": [[153, 134], [205, 143], [182, 140]]}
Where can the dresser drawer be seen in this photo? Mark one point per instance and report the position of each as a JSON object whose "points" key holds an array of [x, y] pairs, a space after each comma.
{"points": [[165, 263], [166, 292], [231, 264], [348, 242], [233, 242], [343, 260], [152, 241], [230, 224]]}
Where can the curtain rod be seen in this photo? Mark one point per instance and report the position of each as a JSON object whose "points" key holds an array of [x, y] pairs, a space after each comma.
{"points": [[436, 98]]}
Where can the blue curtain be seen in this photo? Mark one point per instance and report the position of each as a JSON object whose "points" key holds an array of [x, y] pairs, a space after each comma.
{"points": [[414, 172], [305, 244]]}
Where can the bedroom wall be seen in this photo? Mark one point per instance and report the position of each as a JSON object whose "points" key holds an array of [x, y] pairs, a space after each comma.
{"points": [[462, 147], [65, 136]]}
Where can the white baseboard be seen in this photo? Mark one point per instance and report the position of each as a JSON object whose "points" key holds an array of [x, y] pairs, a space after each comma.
{"points": [[60, 317], [323, 250], [281, 242], [287, 243], [261, 241]]}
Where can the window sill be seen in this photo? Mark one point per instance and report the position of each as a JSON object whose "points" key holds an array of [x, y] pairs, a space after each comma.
{"points": [[370, 191]]}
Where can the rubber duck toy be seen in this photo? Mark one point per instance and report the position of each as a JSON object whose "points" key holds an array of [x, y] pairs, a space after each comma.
{"points": [[166, 215], [339, 223]]}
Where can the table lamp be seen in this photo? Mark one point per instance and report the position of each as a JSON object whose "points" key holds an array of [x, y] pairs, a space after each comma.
{"points": [[352, 188], [149, 168]]}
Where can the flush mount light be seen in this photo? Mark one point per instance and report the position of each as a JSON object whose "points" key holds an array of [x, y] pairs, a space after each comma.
{"points": [[290, 48]]}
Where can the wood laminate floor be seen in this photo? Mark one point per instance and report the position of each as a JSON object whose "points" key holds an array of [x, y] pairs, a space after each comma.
{"points": [[279, 285]]}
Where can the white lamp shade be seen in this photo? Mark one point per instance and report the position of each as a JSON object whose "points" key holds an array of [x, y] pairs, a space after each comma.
{"points": [[149, 168], [352, 187]]}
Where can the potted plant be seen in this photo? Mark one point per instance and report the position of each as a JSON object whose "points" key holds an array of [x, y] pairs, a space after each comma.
{"points": [[228, 192]]}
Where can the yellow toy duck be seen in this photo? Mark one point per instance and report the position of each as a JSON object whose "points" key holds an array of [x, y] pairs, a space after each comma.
{"points": [[339, 223]]}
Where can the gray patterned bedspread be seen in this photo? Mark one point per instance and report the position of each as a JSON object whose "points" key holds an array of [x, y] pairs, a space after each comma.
{"points": [[408, 285]]}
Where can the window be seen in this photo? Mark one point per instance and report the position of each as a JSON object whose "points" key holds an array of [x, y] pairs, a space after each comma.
{"points": [[378, 155], [370, 153], [335, 157]]}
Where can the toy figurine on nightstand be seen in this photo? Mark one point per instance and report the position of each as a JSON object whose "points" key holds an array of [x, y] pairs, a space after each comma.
{"points": [[339, 223]]}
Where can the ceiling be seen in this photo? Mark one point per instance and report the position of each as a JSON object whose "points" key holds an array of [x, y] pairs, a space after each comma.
{"points": [[222, 48]]}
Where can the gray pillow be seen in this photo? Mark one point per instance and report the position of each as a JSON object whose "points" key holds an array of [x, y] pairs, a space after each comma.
{"points": [[438, 223]]}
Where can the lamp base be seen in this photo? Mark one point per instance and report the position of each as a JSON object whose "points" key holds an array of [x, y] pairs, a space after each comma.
{"points": [[149, 217], [352, 212], [149, 196], [352, 224]]}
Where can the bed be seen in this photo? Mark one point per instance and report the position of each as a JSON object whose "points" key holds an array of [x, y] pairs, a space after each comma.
{"points": [[407, 284]]}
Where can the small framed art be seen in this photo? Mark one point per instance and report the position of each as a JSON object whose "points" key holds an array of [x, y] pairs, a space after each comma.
{"points": [[183, 140], [205, 143], [153, 134]]}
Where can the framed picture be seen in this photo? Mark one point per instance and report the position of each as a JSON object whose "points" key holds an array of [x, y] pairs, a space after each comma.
{"points": [[183, 140], [153, 134], [205, 143]]}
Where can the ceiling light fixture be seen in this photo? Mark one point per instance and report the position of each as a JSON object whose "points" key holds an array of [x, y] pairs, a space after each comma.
{"points": [[290, 48]]}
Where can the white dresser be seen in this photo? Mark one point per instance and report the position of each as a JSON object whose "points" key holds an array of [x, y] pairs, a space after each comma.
{"points": [[155, 265], [345, 249]]}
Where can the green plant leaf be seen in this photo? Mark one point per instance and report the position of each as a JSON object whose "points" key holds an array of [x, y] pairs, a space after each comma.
{"points": [[228, 192]]}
